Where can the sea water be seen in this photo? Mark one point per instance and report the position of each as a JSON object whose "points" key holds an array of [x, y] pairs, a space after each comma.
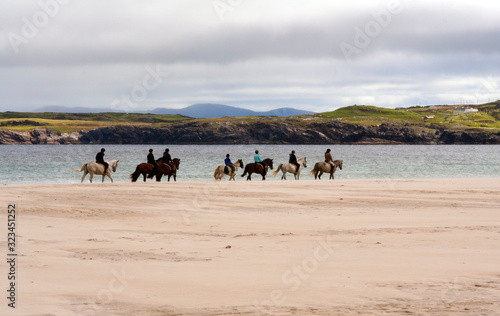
{"points": [[55, 163]]}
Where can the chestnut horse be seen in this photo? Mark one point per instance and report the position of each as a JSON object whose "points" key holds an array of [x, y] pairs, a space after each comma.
{"points": [[257, 168], [163, 169]]}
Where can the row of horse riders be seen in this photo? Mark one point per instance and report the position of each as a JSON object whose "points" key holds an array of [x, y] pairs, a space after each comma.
{"points": [[168, 166]]}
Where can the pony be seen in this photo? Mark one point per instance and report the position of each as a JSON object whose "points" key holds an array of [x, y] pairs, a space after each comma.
{"points": [[145, 169], [325, 167], [219, 171], [97, 168], [289, 167], [257, 168]]}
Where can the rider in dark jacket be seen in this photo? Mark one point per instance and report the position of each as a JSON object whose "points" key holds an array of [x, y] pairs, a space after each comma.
{"points": [[166, 156], [293, 160], [99, 158], [151, 160]]}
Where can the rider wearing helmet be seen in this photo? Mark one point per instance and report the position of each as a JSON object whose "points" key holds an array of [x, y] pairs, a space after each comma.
{"points": [[293, 160], [258, 160], [99, 158], [151, 160], [228, 163], [329, 159]]}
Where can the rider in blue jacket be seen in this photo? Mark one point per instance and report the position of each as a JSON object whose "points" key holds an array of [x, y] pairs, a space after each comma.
{"points": [[228, 162], [258, 160]]}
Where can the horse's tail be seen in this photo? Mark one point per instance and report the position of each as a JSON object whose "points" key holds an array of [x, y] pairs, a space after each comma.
{"points": [[314, 172], [84, 166], [275, 172], [216, 173], [135, 174], [246, 170]]}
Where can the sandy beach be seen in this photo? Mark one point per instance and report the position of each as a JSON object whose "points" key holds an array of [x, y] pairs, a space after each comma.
{"points": [[343, 247]]}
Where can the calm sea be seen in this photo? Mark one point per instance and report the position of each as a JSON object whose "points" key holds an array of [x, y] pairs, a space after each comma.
{"points": [[55, 163]]}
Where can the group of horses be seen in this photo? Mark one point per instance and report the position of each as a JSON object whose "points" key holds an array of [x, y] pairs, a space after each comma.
{"points": [[262, 168], [170, 169]]}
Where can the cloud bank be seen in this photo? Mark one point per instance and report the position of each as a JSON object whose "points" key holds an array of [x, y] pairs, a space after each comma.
{"points": [[315, 55]]}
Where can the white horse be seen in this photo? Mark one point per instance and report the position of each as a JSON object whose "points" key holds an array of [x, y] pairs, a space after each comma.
{"points": [[219, 171], [97, 168], [289, 167]]}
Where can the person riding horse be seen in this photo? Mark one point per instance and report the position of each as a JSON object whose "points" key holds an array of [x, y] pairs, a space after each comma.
{"points": [[167, 158], [329, 159], [259, 161], [293, 160], [99, 158], [228, 163], [151, 160]]}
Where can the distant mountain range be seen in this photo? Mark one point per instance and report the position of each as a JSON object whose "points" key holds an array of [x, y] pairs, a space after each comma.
{"points": [[205, 110]]}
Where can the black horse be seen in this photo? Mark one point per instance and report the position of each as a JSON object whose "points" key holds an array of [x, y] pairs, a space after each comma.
{"points": [[257, 168]]}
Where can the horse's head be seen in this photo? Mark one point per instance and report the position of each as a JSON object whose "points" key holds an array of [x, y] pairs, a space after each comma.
{"points": [[304, 162], [339, 163], [114, 164], [268, 162], [240, 162], [176, 162]]}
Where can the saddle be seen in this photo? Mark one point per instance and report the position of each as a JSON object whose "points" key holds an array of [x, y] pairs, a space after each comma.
{"points": [[227, 169]]}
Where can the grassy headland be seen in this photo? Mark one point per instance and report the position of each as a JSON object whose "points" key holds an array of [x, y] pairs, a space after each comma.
{"points": [[449, 117]]}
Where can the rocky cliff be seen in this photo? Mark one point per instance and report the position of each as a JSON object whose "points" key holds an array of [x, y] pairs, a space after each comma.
{"points": [[241, 132]]}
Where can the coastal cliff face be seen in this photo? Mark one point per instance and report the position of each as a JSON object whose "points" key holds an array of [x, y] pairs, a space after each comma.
{"points": [[255, 132]]}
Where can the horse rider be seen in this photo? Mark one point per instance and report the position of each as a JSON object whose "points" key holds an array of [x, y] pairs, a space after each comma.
{"points": [[228, 163], [99, 158], [151, 160], [259, 161], [167, 158], [329, 159], [293, 160]]}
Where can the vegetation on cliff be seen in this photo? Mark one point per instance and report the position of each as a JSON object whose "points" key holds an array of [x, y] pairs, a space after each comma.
{"points": [[474, 124]]}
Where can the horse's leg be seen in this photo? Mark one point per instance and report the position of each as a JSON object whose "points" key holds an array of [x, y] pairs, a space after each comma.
{"points": [[84, 174], [249, 178], [103, 178], [320, 174], [91, 177], [109, 175]]}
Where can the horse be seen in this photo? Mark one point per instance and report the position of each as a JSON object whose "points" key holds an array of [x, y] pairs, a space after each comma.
{"points": [[325, 167], [97, 168], [145, 169], [219, 171], [257, 168], [289, 167], [169, 169]]}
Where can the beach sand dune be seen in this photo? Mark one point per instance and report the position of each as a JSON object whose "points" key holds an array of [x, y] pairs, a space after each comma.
{"points": [[343, 247]]}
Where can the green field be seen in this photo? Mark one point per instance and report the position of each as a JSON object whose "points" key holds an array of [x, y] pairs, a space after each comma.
{"points": [[445, 116], [68, 122]]}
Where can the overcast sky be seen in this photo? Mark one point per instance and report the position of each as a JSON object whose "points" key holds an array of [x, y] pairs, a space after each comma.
{"points": [[315, 55]]}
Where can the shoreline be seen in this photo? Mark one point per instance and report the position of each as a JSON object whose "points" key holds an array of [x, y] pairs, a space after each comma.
{"points": [[256, 180]]}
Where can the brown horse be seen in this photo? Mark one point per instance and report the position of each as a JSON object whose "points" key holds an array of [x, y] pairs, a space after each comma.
{"points": [[257, 168], [325, 167], [145, 169]]}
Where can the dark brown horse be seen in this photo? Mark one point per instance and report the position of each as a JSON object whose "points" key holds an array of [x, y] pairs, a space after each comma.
{"points": [[257, 168], [145, 169]]}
